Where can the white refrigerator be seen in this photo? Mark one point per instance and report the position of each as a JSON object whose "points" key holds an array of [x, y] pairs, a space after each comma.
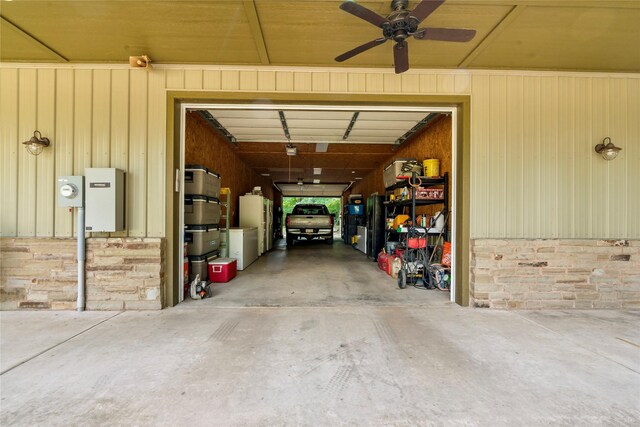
{"points": [[257, 211]]}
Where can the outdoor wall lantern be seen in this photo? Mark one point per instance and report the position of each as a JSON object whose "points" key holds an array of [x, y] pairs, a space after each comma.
{"points": [[37, 143], [607, 151], [142, 61]]}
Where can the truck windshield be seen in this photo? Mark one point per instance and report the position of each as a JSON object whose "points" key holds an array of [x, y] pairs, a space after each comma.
{"points": [[310, 210]]}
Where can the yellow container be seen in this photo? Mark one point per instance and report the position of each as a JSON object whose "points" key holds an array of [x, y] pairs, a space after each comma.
{"points": [[431, 167], [399, 220]]}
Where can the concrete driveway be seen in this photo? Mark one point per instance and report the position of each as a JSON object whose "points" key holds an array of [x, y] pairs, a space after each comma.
{"points": [[366, 365], [316, 335]]}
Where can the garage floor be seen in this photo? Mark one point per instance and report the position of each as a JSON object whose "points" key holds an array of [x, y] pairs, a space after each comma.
{"points": [[315, 274], [372, 356]]}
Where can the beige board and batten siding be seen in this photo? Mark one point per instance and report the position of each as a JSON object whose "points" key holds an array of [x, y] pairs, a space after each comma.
{"points": [[533, 169]]}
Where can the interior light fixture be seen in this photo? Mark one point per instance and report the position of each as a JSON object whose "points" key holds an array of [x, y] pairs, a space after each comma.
{"points": [[142, 61], [608, 151], [316, 181], [317, 171], [291, 150], [37, 143], [300, 181]]}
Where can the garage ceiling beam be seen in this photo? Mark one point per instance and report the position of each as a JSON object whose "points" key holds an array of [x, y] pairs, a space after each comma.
{"points": [[285, 127], [351, 124], [422, 124], [218, 127], [256, 30], [15, 28]]}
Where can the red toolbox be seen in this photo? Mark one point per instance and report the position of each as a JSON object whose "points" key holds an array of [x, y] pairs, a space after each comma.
{"points": [[222, 270]]}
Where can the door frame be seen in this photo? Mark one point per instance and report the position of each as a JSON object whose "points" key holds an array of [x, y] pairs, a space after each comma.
{"points": [[458, 105]]}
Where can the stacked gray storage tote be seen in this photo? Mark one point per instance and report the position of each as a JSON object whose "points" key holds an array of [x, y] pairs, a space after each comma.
{"points": [[201, 218]]}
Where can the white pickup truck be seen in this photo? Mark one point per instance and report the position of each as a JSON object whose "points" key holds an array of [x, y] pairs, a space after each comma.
{"points": [[309, 222]]}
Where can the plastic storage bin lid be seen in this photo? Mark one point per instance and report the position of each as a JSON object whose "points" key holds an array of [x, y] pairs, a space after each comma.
{"points": [[193, 168], [223, 261], [204, 257], [200, 228], [189, 199], [403, 160]]}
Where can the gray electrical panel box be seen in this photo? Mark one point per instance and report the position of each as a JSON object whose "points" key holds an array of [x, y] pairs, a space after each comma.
{"points": [[104, 199], [70, 191]]}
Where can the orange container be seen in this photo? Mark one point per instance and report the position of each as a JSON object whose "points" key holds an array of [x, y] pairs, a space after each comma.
{"points": [[446, 254], [417, 242]]}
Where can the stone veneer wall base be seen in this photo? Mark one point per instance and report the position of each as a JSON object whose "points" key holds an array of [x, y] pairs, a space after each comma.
{"points": [[555, 273], [121, 273]]}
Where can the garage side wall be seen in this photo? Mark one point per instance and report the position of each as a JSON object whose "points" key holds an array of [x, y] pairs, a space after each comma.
{"points": [[204, 146], [433, 142]]}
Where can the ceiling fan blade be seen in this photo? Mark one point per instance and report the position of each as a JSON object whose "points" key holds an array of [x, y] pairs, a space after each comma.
{"points": [[445, 34], [424, 9], [401, 57], [363, 13], [360, 49]]}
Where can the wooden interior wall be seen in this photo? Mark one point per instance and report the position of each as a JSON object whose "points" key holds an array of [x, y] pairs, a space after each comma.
{"points": [[204, 146], [433, 142]]}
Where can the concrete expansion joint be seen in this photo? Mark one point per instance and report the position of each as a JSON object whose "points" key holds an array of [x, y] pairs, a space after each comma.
{"points": [[58, 344], [578, 344]]}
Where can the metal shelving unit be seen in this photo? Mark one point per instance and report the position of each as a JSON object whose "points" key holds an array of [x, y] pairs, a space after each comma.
{"points": [[415, 260], [226, 205]]}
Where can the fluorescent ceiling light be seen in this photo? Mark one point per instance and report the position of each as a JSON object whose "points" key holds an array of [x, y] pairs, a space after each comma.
{"points": [[358, 177], [321, 147], [265, 174], [316, 181], [317, 171]]}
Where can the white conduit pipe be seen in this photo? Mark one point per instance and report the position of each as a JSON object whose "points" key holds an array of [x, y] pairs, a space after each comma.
{"points": [[81, 259]]}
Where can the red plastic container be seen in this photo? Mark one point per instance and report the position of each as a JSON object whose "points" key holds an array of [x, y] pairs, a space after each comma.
{"points": [[390, 263], [417, 242], [383, 261], [222, 270]]}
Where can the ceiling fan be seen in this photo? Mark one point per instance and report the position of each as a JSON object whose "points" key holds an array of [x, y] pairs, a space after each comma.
{"points": [[400, 25]]}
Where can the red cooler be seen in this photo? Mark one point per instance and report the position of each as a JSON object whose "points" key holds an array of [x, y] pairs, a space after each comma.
{"points": [[222, 270]]}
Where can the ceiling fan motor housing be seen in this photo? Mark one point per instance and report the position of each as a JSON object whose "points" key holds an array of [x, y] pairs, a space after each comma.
{"points": [[399, 4], [402, 25]]}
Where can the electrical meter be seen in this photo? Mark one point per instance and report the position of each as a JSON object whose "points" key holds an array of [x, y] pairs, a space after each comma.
{"points": [[71, 191]]}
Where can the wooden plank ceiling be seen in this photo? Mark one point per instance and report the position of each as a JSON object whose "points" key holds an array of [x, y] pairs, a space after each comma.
{"points": [[583, 35]]}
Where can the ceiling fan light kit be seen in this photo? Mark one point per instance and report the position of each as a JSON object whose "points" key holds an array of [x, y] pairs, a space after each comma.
{"points": [[400, 25]]}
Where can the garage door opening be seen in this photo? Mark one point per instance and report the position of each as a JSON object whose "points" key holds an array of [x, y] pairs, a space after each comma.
{"points": [[372, 165], [312, 206]]}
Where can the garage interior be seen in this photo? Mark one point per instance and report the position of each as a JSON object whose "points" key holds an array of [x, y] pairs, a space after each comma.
{"points": [[340, 151]]}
